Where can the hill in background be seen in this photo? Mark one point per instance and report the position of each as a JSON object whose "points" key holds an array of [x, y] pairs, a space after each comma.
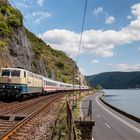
{"points": [[115, 80]]}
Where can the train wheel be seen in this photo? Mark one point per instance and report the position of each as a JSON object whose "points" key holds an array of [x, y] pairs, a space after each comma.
{"points": [[20, 97]]}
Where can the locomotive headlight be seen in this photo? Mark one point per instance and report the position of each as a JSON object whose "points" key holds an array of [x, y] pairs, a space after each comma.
{"points": [[3, 86], [15, 86]]}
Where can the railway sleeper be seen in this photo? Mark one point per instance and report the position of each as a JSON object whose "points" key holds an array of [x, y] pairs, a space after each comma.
{"points": [[12, 118], [18, 135], [6, 125], [2, 131], [22, 131], [26, 127], [14, 137]]}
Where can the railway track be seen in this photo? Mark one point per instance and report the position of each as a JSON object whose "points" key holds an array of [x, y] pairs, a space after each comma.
{"points": [[4, 105], [13, 129], [12, 108]]}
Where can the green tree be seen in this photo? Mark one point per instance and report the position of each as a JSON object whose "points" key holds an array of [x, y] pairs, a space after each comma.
{"points": [[3, 29]]}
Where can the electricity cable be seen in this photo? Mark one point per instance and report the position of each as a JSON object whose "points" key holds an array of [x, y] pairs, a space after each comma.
{"points": [[28, 4], [81, 34], [23, 17]]}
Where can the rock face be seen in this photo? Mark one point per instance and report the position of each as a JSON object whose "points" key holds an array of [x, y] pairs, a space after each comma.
{"points": [[19, 53], [20, 50], [81, 78]]}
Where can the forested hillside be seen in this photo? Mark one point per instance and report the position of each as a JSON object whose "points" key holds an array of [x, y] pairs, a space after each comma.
{"points": [[115, 80]]}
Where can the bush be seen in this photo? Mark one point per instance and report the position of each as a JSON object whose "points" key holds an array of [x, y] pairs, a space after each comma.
{"points": [[1, 17], [13, 16], [3, 9], [3, 29], [14, 22], [17, 14], [3, 46], [60, 65], [3, 43]]}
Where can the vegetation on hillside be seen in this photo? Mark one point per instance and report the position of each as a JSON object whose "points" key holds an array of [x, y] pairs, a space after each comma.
{"points": [[115, 80], [57, 63], [10, 20], [3, 46]]}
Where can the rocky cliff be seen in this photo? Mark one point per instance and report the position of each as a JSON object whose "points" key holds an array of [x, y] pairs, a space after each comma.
{"points": [[21, 48]]}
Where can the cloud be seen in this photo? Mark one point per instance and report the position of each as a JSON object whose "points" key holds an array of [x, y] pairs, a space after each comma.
{"points": [[40, 2], [23, 5], [97, 11], [110, 20], [98, 42], [129, 17], [38, 16], [139, 48], [128, 67], [64, 40], [136, 10], [95, 61]]}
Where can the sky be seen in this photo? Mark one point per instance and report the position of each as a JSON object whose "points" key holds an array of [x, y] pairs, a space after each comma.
{"points": [[111, 33]]}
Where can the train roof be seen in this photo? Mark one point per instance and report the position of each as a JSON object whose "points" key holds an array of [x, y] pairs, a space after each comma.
{"points": [[51, 80], [13, 69], [45, 78]]}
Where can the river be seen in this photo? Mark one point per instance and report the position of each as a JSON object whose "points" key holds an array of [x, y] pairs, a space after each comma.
{"points": [[126, 100]]}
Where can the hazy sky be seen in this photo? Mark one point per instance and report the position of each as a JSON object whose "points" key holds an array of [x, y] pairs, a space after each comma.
{"points": [[111, 37]]}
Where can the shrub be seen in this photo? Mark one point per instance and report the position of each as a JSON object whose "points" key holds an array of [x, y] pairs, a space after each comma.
{"points": [[17, 14], [3, 46], [3, 9], [60, 65], [3, 29], [14, 22]]}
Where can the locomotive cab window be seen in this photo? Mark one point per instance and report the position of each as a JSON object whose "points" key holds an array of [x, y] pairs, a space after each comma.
{"points": [[15, 73], [5, 73]]}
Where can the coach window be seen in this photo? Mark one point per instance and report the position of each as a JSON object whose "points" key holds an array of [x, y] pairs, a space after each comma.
{"points": [[24, 74], [44, 82], [15, 73]]}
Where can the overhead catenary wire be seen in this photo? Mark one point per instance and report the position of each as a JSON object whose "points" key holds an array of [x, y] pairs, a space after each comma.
{"points": [[81, 33], [23, 17], [28, 4]]}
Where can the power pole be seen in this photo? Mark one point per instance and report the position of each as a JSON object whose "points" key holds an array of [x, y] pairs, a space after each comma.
{"points": [[73, 76]]}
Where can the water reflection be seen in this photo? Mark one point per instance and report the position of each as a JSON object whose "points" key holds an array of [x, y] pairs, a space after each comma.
{"points": [[127, 100]]}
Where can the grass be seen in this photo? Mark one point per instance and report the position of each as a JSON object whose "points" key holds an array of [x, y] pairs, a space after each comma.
{"points": [[61, 129], [3, 46]]}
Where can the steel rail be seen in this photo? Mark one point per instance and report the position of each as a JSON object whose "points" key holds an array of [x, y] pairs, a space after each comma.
{"points": [[24, 106], [28, 118]]}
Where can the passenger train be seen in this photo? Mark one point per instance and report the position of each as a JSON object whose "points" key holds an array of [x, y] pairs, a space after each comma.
{"points": [[18, 82]]}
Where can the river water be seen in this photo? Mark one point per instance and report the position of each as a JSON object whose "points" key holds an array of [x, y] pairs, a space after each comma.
{"points": [[126, 100]]}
